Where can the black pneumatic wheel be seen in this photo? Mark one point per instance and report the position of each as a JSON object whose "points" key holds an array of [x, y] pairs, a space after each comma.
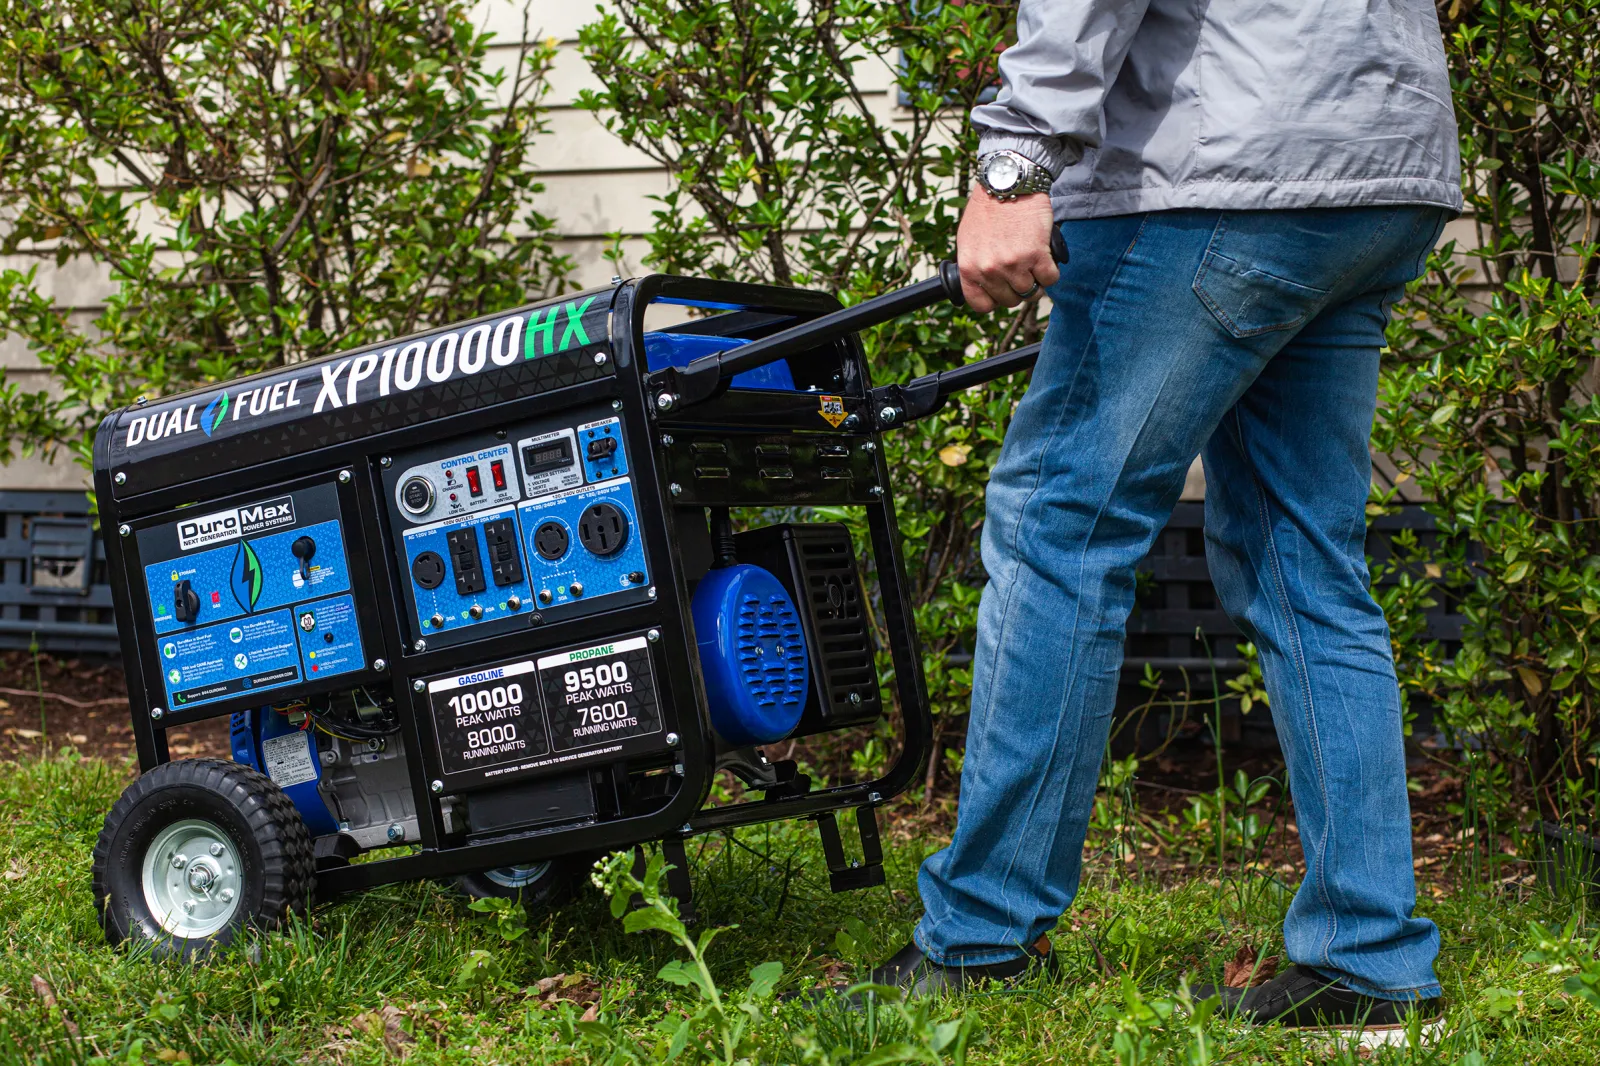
{"points": [[196, 850], [541, 886]]}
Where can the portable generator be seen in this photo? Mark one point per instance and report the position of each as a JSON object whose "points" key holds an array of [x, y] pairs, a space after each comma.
{"points": [[475, 595]]}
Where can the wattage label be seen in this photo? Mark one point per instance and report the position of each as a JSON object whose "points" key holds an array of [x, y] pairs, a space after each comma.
{"points": [[488, 719], [601, 693]]}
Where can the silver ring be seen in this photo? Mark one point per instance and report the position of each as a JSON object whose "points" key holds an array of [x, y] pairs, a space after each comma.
{"points": [[1030, 292]]}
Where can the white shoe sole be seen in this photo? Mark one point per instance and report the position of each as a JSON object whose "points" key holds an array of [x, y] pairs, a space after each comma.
{"points": [[1376, 1036]]}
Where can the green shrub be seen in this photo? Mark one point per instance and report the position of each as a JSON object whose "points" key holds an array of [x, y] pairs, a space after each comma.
{"points": [[263, 183], [1488, 402]]}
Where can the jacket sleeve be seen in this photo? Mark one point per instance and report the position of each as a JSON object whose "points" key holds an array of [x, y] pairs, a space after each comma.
{"points": [[1055, 78]]}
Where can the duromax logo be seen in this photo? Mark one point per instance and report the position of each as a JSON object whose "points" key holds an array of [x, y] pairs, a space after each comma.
{"points": [[214, 413]]}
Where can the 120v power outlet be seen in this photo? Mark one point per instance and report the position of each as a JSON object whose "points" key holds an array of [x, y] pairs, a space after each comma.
{"points": [[550, 541], [603, 529]]}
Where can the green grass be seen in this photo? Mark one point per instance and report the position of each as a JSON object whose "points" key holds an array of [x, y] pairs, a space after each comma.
{"points": [[317, 992]]}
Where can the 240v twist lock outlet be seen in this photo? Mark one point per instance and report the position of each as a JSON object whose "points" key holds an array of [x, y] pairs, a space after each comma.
{"points": [[603, 529], [551, 541]]}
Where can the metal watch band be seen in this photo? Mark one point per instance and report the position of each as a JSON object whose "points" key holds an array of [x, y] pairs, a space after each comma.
{"points": [[1035, 178]]}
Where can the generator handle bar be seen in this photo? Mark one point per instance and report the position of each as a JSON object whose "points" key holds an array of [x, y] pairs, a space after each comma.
{"points": [[895, 405], [703, 378]]}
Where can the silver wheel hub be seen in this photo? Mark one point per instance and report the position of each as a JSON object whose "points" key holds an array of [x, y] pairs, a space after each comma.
{"points": [[192, 878], [517, 876]]}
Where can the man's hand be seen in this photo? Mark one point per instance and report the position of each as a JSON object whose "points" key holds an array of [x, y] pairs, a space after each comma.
{"points": [[1003, 247]]}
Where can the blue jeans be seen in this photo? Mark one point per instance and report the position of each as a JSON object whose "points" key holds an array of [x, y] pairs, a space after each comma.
{"points": [[1252, 339]]}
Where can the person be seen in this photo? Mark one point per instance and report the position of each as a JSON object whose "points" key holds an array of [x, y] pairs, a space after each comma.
{"points": [[1245, 188]]}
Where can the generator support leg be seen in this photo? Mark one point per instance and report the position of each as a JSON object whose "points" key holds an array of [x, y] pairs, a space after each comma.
{"points": [[843, 874], [678, 876]]}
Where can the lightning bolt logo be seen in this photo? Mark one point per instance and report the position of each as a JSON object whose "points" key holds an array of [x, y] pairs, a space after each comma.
{"points": [[214, 413], [246, 583]]}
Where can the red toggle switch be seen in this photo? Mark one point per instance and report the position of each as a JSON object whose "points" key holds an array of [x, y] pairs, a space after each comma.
{"points": [[497, 474], [474, 481]]}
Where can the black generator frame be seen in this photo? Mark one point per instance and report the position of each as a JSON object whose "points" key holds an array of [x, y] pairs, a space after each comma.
{"points": [[656, 423]]}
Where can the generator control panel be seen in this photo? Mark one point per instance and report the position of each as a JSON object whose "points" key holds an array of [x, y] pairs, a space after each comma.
{"points": [[251, 598], [527, 519]]}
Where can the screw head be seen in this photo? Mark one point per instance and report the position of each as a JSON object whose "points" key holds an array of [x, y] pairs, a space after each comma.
{"points": [[855, 699], [675, 488], [216, 848], [226, 894], [616, 279], [397, 832], [344, 477], [386, 462], [665, 401], [380, 665], [180, 861], [672, 740], [651, 592], [869, 446], [419, 645], [189, 905], [876, 490], [616, 405], [666, 440], [419, 685], [436, 786], [653, 636], [124, 529], [121, 478], [599, 358], [888, 414], [157, 713], [850, 422]]}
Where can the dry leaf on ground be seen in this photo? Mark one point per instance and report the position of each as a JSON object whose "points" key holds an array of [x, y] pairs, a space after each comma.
{"points": [[1248, 970]]}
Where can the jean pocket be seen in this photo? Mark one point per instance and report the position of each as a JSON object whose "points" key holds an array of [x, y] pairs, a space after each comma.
{"points": [[1249, 301]]}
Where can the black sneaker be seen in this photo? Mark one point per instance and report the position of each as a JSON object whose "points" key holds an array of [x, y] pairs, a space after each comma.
{"points": [[1302, 998], [914, 974]]}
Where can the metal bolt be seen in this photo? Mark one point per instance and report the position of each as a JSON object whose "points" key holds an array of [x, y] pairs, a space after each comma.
{"points": [[672, 740], [686, 829], [855, 699], [418, 685], [397, 832], [124, 530], [437, 786], [141, 401], [876, 490], [121, 478], [386, 462], [380, 665], [180, 861], [599, 358], [666, 440], [419, 645], [189, 905], [651, 592], [344, 477], [616, 279], [536, 619], [665, 401], [216, 849], [677, 768], [675, 488], [200, 878], [156, 714], [226, 894], [653, 636], [616, 405], [850, 422], [874, 797], [869, 446], [888, 414]]}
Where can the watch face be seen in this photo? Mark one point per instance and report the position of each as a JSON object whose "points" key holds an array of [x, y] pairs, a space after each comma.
{"points": [[1002, 172]]}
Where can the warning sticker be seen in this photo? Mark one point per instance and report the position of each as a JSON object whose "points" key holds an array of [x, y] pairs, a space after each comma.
{"points": [[832, 410], [289, 759]]}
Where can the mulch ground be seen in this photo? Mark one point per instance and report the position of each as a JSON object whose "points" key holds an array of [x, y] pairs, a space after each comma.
{"points": [[47, 703]]}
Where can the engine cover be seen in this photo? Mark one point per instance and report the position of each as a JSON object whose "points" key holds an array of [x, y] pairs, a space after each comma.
{"points": [[752, 654]]}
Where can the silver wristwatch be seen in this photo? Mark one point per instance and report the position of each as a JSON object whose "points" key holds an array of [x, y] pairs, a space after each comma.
{"points": [[1006, 175]]}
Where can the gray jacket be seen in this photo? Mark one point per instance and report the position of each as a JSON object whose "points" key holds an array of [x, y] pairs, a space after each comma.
{"points": [[1146, 105]]}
